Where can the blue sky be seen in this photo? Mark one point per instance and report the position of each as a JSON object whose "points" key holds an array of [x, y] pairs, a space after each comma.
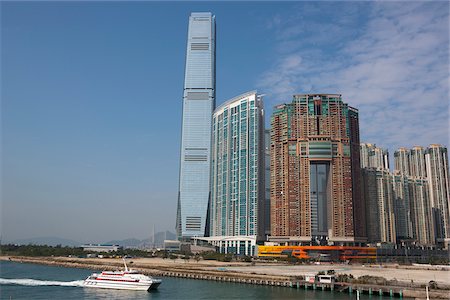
{"points": [[91, 95]]}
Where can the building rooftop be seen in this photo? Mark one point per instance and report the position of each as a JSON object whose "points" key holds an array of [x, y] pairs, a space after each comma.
{"points": [[201, 14], [237, 98]]}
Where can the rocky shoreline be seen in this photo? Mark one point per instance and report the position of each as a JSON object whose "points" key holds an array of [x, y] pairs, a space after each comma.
{"points": [[207, 270]]}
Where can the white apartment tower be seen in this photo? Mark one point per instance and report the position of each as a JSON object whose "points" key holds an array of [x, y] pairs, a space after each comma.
{"points": [[436, 158]]}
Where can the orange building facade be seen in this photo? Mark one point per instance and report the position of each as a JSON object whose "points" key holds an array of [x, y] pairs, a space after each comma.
{"points": [[315, 178]]}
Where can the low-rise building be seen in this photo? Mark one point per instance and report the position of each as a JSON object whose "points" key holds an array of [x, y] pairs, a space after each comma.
{"points": [[172, 245], [101, 248], [239, 245]]}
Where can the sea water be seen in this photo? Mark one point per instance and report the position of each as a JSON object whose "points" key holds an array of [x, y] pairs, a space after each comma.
{"points": [[31, 281]]}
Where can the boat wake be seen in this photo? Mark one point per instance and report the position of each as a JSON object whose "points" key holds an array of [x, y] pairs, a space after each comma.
{"points": [[35, 282]]}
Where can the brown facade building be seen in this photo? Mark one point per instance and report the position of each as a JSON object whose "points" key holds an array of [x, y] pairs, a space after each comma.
{"points": [[315, 172]]}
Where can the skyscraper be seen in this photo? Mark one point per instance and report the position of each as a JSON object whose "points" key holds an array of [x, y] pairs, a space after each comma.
{"points": [[401, 161], [237, 175], [315, 180], [436, 158], [378, 190], [417, 162], [267, 181], [422, 220], [378, 194], [373, 156], [198, 105], [402, 207], [428, 182]]}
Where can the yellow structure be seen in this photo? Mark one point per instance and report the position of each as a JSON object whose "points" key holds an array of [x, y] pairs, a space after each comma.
{"points": [[331, 253]]}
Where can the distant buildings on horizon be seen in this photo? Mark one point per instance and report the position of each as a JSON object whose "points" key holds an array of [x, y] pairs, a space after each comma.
{"points": [[306, 181]]}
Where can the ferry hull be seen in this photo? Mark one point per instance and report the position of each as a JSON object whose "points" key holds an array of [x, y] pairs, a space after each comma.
{"points": [[154, 286], [122, 285]]}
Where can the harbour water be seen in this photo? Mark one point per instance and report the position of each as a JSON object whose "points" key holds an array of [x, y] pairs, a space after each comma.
{"points": [[30, 281]]}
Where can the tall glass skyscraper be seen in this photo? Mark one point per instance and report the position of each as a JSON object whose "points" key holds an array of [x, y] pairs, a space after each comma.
{"points": [[198, 105], [237, 177]]}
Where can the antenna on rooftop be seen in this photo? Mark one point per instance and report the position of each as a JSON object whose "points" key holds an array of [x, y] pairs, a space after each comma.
{"points": [[153, 237]]}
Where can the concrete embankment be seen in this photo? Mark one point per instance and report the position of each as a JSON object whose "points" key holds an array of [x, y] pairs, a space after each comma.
{"points": [[207, 270]]}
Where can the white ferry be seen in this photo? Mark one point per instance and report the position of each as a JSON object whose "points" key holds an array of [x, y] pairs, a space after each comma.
{"points": [[122, 280]]}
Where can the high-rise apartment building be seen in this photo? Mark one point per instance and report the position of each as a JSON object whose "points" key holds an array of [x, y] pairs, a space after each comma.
{"points": [[198, 105], [417, 162], [378, 191], [427, 173], [402, 207], [373, 156], [378, 194], [315, 180], [410, 162], [401, 161], [422, 221], [237, 177], [267, 181], [436, 157]]}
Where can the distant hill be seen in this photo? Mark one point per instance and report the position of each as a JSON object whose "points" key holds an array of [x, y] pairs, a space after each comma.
{"points": [[49, 241], [131, 242], [158, 241], [125, 243]]}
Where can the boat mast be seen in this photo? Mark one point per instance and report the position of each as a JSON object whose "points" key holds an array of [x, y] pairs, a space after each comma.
{"points": [[153, 237], [126, 268]]}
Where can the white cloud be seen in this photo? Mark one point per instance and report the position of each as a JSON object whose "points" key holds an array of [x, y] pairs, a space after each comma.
{"points": [[394, 66]]}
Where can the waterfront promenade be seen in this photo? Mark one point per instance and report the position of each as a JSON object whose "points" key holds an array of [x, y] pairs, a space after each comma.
{"points": [[411, 279]]}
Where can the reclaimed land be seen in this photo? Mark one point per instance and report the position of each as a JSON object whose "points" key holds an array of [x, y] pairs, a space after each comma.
{"points": [[404, 281]]}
